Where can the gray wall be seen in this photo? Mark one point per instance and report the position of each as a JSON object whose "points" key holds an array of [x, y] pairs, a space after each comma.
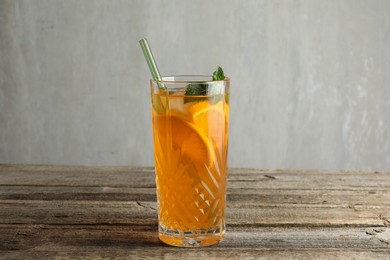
{"points": [[310, 79]]}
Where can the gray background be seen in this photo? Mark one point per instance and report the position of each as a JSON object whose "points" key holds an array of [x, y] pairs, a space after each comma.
{"points": [[310, 79]]}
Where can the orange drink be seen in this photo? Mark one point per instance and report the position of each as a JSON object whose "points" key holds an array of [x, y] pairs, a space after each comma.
{"points": [[190, 150]]}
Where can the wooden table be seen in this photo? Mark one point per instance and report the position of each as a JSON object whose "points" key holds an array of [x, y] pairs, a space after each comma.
{"points": [[110, 212]]}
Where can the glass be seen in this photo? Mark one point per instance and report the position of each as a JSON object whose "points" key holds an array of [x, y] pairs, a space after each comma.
{"points": [[190, 150]]}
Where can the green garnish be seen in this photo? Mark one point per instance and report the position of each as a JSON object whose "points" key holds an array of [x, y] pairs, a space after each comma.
{"points": [[200, 89], [196, 89], [218, 74]]}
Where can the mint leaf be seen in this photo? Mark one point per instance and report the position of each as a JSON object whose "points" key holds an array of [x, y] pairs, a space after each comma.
{"points": [[199, 89], [218, 74], [195, 89]]}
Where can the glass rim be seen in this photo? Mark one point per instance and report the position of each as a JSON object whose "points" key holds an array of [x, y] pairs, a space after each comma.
{"points": [[171, 79]]}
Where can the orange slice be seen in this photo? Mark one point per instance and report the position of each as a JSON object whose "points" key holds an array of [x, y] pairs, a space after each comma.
{"points": [[211, 119], [185, 136]]}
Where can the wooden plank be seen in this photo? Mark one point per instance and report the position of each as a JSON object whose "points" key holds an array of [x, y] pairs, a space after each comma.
{"points": [[31, 168], [74, 176], [237, 178], [99, 237], [238, 213], [95, 193], [77, 212], [33, 236], [201, 253], [266, 196]]}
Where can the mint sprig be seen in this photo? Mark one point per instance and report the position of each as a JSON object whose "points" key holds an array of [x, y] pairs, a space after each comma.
{"points": [[201, 89]]}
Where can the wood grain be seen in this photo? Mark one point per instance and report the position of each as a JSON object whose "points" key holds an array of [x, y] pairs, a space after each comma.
{"points": [[105, 212]]}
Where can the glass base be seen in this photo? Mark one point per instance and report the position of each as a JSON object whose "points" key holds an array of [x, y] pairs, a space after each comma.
{"points": [[191, 238]]}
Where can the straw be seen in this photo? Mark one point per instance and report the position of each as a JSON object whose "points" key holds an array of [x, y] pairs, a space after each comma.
{"points": [[151, 62]]}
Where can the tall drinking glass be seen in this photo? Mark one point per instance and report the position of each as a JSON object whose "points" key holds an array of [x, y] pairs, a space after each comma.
{"points": [[190, 150]]}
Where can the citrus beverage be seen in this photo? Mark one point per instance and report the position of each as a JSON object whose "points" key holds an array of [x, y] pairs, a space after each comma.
{"points": [[190, 146]]}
